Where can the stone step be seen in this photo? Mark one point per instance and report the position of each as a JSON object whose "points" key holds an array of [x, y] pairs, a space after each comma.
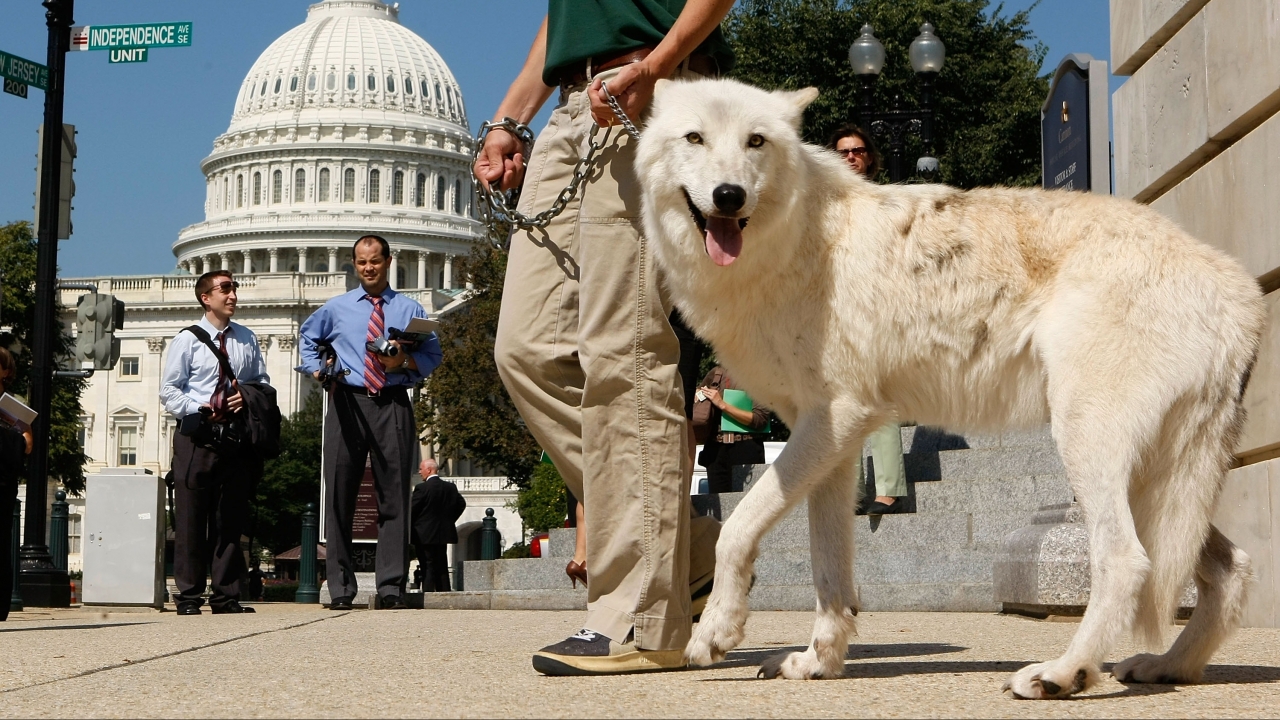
{"points": [[1004, 494], [562, 543], [517, 574]]}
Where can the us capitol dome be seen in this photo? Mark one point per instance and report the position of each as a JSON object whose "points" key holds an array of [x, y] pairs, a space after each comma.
{"points": [[347, 124]]}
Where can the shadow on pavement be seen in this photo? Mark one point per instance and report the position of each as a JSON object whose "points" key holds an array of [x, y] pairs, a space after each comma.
{"points": [[756, 656], [95, 626]]}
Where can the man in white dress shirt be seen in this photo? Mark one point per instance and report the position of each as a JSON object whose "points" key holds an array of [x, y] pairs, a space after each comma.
{"points": [[213, 469]]}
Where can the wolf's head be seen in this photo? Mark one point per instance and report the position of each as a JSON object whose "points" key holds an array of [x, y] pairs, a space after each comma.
{"points": [[713, 155]]}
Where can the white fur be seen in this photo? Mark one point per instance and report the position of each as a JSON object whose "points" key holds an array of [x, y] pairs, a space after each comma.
{"points": [[854, 303]]}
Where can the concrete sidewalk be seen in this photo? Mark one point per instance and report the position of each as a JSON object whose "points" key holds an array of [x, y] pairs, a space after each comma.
{"points": [[302, 661]]}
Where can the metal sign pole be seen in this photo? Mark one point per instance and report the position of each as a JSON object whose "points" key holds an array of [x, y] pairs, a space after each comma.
{"points": [[43, 585]]}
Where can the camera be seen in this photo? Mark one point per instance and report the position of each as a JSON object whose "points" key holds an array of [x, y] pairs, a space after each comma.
{"points": [[330, 368], [222, 437], [383, 346]]}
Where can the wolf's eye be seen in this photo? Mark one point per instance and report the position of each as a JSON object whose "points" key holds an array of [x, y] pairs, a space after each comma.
{"points": [[755, 141], [694, 138]]}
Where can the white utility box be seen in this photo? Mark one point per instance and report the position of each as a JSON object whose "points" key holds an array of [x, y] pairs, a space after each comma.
{"points": [[124, 538]]}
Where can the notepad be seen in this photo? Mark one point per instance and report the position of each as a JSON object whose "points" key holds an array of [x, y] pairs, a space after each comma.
{"points": [[742, 401], [15, 412]]}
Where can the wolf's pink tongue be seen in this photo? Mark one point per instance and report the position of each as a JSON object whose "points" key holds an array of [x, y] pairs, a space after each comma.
{"points": [[724, 240]]}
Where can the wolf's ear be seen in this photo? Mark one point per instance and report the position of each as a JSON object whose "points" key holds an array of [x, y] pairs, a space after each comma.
{"points": [[661, 86], [801, 98]]}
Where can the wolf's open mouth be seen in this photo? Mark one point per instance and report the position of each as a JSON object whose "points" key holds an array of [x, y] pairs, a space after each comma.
{"points": [[722, 235]]}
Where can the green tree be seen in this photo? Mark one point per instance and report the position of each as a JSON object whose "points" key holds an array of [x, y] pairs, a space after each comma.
{"points": [[291, 480], [464, 407], [541, 505], [987, 96], [17, 308]]}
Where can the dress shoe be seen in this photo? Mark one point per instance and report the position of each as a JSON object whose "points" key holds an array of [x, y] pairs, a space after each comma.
{"points": [[899, 505], [188, 609], [231, 608], [342, 603], [576, 571], [391, 602]]}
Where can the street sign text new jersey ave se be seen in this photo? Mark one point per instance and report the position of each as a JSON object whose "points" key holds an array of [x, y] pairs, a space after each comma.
{"points": [[24, 71], [115, 37]]}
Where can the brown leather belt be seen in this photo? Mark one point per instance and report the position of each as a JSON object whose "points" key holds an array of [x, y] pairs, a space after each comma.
{"points": [[576, 74]]}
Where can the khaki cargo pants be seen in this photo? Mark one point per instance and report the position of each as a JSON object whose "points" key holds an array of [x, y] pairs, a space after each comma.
{"points": [[586, 352]]}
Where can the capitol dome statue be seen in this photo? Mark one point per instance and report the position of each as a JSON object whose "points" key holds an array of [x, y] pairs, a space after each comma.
{"points": [[347, 124]]}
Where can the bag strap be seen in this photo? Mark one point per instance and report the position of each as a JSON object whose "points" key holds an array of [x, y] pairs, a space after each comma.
{"points": [[203, 337]]}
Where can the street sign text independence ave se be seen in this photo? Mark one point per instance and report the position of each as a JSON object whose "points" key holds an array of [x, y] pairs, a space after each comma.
{"points": [[24, 71], [109, 37]]}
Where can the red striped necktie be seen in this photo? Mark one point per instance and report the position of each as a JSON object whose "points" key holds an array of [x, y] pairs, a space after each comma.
{"points": [[375, 376]]}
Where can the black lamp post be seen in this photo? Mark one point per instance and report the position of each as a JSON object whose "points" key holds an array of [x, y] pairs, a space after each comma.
{"points": [[866, 55]]}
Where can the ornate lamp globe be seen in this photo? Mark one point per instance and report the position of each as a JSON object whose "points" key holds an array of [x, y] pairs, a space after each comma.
{"points": [[866, 54], [927, 51]]}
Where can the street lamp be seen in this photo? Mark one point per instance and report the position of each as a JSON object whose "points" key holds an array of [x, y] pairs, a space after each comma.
{"points": [[866, 57]]}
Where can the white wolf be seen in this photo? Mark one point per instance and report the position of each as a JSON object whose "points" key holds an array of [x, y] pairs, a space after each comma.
{"points": [[844, 304]]}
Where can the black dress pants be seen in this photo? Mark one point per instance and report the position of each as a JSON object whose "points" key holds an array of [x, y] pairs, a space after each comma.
{"points": [[211, 510], [380, 430], [8, 493], [434, 559]]}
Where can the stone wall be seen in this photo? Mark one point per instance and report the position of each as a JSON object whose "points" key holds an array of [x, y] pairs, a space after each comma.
{"points": [[1197, 136]]}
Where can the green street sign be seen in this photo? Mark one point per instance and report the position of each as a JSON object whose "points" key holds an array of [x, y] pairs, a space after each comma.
{"points": [[13, 87], [23, 71], [115, 37], [127, 55]]}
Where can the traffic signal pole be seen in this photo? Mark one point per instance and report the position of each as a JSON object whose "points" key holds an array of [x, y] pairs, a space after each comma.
{"points": [[44, 585]]}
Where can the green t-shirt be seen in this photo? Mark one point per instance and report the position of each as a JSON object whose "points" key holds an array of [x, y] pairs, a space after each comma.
{"points": [[579, 29]]}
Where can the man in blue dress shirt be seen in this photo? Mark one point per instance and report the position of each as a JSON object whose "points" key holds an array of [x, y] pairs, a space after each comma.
{"points": [[212, 481], [369, 418]]}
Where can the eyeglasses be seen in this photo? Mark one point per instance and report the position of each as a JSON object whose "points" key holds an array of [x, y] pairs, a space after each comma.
{"points": [[227, 286], [859, 151]]}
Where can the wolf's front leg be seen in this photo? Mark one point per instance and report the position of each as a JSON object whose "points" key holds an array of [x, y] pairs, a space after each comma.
{"points": [[818, 444], [831, 548]]}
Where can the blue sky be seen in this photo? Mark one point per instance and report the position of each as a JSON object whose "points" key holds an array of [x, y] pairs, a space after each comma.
{"points": [[145, 127]]}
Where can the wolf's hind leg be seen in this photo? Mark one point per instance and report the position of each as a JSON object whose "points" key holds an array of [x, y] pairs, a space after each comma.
{"points": [[1099, 455], [831, 547], [1222, 577]]}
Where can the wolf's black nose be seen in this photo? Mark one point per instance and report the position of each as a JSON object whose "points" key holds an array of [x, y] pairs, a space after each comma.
{"points": [[729, 198]]}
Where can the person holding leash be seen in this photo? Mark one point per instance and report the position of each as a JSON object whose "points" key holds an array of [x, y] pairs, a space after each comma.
{"points": [[584, 345], [370, 418], [213, 465]]}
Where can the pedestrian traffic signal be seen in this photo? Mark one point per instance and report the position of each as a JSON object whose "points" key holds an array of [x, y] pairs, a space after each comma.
{"points": [[98, 317], [66, 179], [87, 329]]}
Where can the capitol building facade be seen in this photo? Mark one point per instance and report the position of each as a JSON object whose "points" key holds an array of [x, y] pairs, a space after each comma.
{"points": [[348, 124]]}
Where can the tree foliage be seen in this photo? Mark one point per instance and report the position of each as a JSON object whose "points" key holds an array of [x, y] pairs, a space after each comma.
{"points": [[291, 480], [541, 505], [987, 96], [464, 406], [18, 309]]}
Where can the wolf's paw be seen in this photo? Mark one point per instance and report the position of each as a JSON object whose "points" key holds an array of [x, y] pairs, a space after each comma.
{"points": [[1050, 681], [799, 666], [715, 635], [1146, 668]]}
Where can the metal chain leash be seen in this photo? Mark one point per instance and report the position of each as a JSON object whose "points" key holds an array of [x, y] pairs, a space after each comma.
{"points": [[497, 209]]}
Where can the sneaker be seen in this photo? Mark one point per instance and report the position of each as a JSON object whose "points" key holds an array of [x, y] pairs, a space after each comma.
{"points": [[590, 653]]}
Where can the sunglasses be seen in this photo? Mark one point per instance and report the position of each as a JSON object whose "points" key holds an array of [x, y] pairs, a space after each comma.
{"points": [[859, 151], [227, 286]]}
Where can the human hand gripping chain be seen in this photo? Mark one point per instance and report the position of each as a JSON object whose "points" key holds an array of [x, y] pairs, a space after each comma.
{"points": [[497, 208]]}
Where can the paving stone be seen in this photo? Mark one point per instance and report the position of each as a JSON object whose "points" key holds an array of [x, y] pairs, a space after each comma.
{"points": [[949, 597]]}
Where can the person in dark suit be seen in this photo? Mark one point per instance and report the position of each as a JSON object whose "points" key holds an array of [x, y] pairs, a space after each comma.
{"points": [[436, 507], [15, 444]]}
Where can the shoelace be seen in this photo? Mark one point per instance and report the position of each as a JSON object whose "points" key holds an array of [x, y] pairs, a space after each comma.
{"points": [[585, 635]]}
